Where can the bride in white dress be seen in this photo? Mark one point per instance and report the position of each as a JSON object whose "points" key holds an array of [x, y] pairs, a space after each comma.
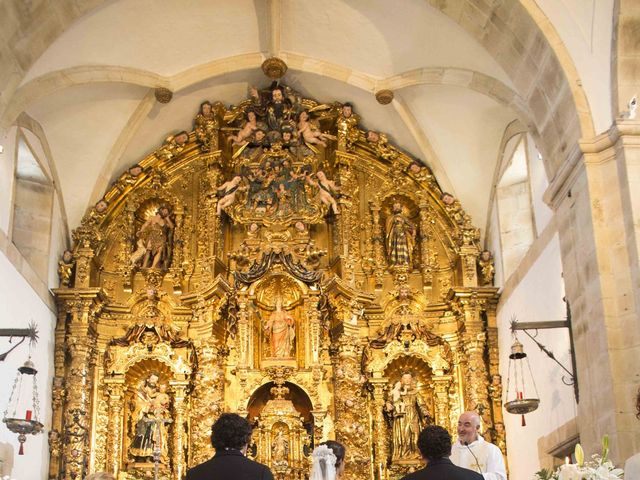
{"points": [[328, 461]]}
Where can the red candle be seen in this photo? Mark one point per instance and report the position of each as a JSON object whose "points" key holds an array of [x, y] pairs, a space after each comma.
{"points": [[28, 416]]}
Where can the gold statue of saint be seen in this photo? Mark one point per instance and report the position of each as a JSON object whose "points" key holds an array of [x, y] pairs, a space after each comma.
{"points": [[280, 329], [401, 237], [155, 240], [151, 415], [408, 414], [280, 448]]}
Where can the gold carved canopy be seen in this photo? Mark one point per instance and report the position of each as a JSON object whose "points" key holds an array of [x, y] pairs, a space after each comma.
{"points": [[279, 261]]}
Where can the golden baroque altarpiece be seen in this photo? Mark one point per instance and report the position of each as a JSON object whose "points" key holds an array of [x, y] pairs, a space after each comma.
{"points": [[280, 262]]}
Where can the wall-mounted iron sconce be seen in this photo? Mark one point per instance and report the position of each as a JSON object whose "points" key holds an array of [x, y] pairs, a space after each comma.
{"points": [[571, 378], [22, 333]]}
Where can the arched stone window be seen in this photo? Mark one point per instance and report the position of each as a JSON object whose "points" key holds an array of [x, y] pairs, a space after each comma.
{"points": [[32, 209]]}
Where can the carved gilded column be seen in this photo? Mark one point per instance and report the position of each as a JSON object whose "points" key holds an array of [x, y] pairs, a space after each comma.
{"points": [[474, 343], [178, 250], [115, 391], [314, 326], [206, 399], [348, 234], [179, 434], [77, 413], [495, 386], [427, 257], [378, 245], [441, 384], [58, 393], [244, 328], [83, 257], [351, 426], [380, 430]]}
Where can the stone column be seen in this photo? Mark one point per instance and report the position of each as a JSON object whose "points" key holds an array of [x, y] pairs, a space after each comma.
{"points": [[595, 197], [380, 430], [179, 388], [115, 390]]}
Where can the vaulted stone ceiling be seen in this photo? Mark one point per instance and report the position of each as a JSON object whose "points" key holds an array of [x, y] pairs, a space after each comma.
{"points": [[87, 77]]}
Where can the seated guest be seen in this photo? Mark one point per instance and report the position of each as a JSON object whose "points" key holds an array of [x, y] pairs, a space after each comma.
{"points": [[434, 443], [328, 461], [230, 436], [473, 452]]}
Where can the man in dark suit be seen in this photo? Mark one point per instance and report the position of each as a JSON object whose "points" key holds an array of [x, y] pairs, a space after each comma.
{"points": [[230, 437], [434, 443]]}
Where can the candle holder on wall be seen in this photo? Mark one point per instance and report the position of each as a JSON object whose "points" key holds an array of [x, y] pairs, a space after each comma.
{"points": [[521, 403], [30, 424]]}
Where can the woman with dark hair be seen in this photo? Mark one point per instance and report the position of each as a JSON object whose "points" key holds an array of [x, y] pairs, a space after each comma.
{"points": [[328, 461], [632, 465]]}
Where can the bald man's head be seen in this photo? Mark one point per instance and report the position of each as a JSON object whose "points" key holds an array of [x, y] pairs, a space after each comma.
{"points": [[468, 427]]}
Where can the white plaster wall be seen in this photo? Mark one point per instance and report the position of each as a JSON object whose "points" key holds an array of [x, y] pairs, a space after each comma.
{"points": [[19, 305], [538, 297]]}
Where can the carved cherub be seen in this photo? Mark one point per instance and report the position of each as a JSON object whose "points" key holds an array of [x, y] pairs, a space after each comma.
{"points": [[227, 191], [310, 132], [326, 190], [487, 269], [380, 143], [250, 125], [206, 127], [173, 145], [347, 125], [65, 268]]}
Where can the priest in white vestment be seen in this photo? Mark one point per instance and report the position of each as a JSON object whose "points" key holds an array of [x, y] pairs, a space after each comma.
{"points": [[474, 452]]}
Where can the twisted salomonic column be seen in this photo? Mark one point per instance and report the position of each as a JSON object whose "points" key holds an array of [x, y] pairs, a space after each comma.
{"points": [[179, 408], [115, 390], [380, 430], [207, 399], [82, 306], [350, 405]]}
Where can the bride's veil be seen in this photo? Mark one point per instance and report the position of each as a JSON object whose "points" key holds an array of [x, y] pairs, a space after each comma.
{"points": [[324, 464]]}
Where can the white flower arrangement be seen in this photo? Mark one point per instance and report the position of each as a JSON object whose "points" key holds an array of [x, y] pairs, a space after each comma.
{"points": [[598, 468]]}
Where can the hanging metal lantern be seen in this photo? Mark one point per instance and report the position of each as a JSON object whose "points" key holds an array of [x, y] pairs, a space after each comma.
{"points": [[24, 397], [521, 403]]}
